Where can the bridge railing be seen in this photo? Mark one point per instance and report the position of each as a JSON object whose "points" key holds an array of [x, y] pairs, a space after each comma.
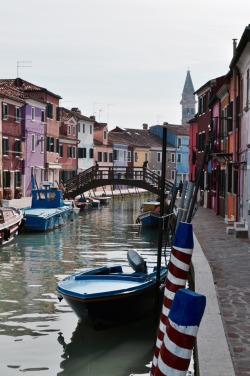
{"points": [[115, 173]]}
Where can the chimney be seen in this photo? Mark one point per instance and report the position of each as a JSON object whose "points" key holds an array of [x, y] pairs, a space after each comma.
{"points": [[75, 109], [145, 127]]}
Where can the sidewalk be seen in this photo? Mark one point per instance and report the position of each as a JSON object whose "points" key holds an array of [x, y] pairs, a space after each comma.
{"points": [[224, 336]]}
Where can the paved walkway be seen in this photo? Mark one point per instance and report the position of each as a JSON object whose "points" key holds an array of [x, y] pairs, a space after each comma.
{"points": [[229, 260]]}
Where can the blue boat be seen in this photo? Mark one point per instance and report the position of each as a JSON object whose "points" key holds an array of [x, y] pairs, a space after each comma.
{"points": [[48, 210], [150, 214], [109, 295]]}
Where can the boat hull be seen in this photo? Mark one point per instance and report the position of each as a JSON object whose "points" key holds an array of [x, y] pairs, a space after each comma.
{"points": [[110, 299], [11, 221], [45, 219], [149, 219]]}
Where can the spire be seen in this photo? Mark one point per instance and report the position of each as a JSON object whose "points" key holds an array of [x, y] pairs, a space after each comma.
{"points": [[188, 101]]}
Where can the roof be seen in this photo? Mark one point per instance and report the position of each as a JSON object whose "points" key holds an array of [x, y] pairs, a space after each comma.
{"points": [[66, 114], [135, 137], [8, 92], [26, 86], [245, 38]]}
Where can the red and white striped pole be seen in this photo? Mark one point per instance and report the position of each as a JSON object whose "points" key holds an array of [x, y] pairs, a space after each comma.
{"points": [[177, 276], [183, 323]]}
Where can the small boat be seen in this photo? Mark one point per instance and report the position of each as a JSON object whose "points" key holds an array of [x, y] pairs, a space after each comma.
{"points": [[104, 199], [150, 214], [73, 206], [47, 211], [95, 203], [109, 295], [82, 203], [10, 223]]}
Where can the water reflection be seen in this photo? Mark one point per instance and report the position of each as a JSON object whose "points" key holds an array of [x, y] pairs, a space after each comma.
{"points": [[36, 330], [118, 351]]}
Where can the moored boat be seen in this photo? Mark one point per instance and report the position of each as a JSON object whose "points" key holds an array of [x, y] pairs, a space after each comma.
{"points": [[108, 294], [82, 203], [150, 214], [47, 211], [10, 223]]}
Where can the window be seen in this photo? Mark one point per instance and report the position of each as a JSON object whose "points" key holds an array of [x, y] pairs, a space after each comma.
{"points": [[116, 154], [74, 130], [42, 116], [110, 157], [202, 104], [172, 174], [99, 156], [5, 145], [69, 130], [178, 142], [70, 152], [124, 155], [17, 178], [17, 147], [80, 152], [42, 144], [173, 157], [60, 150], [5, 111], [79, 127], [105, 157], [129, 156], [90, 129], [33, 143], [91, 153], [6, 179], [18, 114], [158, 157], [105, 135], [33, 113], [57, 113], [73, 152], [83, 128], [136, 157], [179, 158], [50, 110], [50, 144], [200, 142]]}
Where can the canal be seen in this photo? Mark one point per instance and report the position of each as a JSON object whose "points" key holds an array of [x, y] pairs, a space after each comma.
{"points": [[42, 336]]}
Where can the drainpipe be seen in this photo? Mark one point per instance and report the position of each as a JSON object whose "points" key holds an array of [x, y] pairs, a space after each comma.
{"points": [[234, 213]]}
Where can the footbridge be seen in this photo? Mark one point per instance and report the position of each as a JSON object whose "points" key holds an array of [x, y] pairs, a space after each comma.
{"points": [[115, 176]]}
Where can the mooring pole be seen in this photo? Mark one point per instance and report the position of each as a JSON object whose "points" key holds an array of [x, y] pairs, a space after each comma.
{"points": [[162, 202]]}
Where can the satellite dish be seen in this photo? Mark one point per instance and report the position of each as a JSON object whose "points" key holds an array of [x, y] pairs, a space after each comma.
{"points": [[137, 263]]}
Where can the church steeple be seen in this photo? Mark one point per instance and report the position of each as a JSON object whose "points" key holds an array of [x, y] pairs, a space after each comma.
{"points": [[188, 101]]}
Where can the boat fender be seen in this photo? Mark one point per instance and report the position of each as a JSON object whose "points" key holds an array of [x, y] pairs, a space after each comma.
{"points": [[60, 220], [6, 234], [72, 216]]}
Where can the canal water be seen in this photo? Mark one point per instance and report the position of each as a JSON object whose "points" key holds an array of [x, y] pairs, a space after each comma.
{"points": [[40, 335]]}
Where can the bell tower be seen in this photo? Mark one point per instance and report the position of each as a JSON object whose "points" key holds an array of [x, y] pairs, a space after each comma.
{"points": [[188, 101]]}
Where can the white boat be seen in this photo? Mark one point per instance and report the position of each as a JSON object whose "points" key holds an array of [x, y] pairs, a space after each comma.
{"points": [[11, 219]]}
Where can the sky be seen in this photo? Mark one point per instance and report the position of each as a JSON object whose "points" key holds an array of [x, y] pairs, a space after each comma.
{"points": [[124, 61]]}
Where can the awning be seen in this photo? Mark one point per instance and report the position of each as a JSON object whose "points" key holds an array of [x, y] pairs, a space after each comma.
{"points": [[53, 166]]}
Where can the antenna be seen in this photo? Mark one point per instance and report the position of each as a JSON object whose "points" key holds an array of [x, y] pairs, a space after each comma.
{"points": [[20, 65]]}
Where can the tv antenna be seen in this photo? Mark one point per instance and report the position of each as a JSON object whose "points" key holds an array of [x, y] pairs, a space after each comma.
{"points": [[20, 64]]}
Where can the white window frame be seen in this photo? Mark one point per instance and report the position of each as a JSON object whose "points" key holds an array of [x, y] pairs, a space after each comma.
{"points": [[73, 130], [5, 111], [42, 144], [32, 113], [69, 129], [173, 157], [17, 114]]}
